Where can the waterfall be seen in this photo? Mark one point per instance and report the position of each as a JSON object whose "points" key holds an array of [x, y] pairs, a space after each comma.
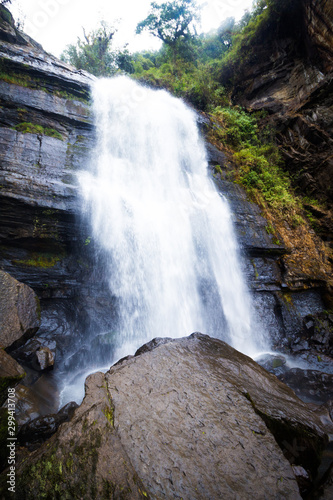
{"points": [[170, 253]]}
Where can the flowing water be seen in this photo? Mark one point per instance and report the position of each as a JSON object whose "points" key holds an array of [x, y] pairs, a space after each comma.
{"points": [[170, 252]]}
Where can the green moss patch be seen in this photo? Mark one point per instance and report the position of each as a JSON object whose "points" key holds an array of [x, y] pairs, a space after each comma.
{"points": [[43, 260], [33, 128]]}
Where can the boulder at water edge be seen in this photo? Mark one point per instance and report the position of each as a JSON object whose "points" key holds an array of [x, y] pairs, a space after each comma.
{"points": [[19, 310], [189, 418]]}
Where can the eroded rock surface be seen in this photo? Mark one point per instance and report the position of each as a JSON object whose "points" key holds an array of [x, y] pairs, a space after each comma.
{"points": [[187, 418], [19, 310]]}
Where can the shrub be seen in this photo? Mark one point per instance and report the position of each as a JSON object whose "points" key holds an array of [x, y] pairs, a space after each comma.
{"points": [[257, 159]]}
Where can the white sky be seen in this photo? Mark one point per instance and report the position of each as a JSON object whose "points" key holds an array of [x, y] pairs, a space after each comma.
{"points": [[57, 23]]}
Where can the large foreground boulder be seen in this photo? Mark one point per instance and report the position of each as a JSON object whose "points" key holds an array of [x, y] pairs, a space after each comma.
{"points": [[19, 310], [190, 418]]}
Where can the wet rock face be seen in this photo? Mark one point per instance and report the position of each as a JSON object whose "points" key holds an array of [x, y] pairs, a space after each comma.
{"points": [[310, 384], [281, 301], [319, 15], [46, 134], [318, 332], [186, 418], [19, 311]]}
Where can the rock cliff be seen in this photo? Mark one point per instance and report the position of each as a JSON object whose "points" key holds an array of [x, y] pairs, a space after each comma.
{"points": [[288, 72], [46, 136]]}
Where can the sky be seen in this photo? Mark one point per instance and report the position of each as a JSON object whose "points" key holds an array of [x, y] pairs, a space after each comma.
{"points": [[56, 23]]}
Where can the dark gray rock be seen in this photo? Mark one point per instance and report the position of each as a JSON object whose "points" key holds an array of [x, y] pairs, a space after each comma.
{"points": [[190, 418], [249, 223], [215, 156], [310, 385], [37, 400], [35, 432], [303, 478], [273, 363], [327, 488], [38, 354], [318, 332]]}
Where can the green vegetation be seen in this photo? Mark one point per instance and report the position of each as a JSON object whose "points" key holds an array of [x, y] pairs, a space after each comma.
{"points": [[43, 260], [108, 412], [198, 68], [171, 22], [93, 53], [257, 160], [32, 128], [22, 80]]}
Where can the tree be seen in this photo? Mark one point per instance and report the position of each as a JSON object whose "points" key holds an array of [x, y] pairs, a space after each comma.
{"points": [[124, 61], [226, 30], [171, 21], [93, 53]]}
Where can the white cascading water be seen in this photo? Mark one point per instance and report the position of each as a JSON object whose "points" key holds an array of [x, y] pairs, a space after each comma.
{"points": [[172, 258]]}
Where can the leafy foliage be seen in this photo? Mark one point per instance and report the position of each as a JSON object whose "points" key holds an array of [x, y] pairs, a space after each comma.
{"points": [[92, 53], [33, 128], [258, 160]]}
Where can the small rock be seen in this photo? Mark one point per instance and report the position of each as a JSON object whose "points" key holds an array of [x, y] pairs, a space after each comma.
{"points": [[309, 325], [44, 359], [37, 353], [302, 477]]}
